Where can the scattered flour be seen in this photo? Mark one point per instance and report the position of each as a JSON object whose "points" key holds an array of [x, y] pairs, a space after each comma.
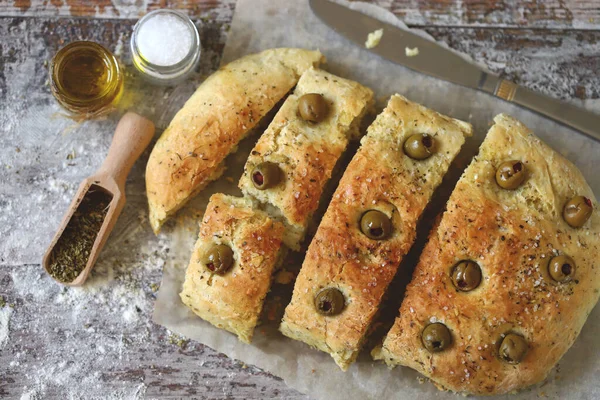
{"points": [[33, 394], [118, 50], [5, 314], [92, 327]]}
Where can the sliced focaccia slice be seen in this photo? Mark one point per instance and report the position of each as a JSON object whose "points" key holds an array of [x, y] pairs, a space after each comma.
{"points": [[294, 158], [369, 226], [505, 283], [224, 108], [230, 271]]}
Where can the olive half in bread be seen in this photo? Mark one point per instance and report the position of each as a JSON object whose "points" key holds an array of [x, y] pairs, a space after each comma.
{"points": [[369, 226], [511, 270]]}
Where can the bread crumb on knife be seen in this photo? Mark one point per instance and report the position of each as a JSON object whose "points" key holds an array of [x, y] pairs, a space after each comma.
{"points": [[411, 52], [374, 38]]}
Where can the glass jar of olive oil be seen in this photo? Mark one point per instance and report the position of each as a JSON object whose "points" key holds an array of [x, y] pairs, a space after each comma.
{"points": [[86, 79]]}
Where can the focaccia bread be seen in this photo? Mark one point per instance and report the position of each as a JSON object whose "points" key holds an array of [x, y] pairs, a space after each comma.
{"points": [[382, 183], [232, 298], [224, 108], [306, 152], [494, 303]]}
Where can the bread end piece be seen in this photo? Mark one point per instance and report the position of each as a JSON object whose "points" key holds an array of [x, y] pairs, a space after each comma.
{"points": [[233, 301], [512, 235]]}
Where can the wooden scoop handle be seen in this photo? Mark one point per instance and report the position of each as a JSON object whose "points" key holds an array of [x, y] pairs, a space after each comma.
{"points": [[132, 136]]}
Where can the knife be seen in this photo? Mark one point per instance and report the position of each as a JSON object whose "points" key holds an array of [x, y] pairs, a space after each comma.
{"points": [[437, 61]]}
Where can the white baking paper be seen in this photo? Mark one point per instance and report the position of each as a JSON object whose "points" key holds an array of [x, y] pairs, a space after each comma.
{"points": [[263, 24]]}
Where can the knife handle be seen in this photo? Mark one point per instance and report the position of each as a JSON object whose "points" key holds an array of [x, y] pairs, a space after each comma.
{"points": [[576, 117]]}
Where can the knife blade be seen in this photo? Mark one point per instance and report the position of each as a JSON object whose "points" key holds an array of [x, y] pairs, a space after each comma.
{"points": [[442, 63]]}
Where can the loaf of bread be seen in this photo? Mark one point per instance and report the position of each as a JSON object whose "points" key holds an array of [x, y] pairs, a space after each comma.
{"points": [[509, 276], [225, 107], [306, 152], [369, 226], [230, 271]]}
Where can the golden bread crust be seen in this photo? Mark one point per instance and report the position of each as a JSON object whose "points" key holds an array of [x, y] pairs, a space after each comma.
{"points": [[380, 176], [307, 152], [233, 301], [224, 108], [512, 235]]}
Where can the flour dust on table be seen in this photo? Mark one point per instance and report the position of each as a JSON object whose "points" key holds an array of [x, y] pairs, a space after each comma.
{"points": [[117, 292], [5, 314]]}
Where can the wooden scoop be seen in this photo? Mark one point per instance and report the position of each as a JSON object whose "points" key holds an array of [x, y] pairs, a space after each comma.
{"points": [[132, 136]]}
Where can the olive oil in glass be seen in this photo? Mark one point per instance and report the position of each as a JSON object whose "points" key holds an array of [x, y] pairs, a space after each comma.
{"points": [[86, 79]]}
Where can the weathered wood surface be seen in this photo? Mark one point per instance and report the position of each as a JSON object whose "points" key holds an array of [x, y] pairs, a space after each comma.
{"points": [[579, 14], [101, 343]]}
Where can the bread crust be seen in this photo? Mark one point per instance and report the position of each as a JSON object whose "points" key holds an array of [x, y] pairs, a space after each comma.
{"points": [[307, 152], [512, 235], [233, 301], [224, 108], [380, 176]]}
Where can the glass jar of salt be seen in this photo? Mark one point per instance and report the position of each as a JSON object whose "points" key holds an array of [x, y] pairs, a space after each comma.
{"points": [[165, 46]]}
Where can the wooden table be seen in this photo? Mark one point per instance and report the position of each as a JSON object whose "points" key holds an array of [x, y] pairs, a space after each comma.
{"points": [[550, 46]]}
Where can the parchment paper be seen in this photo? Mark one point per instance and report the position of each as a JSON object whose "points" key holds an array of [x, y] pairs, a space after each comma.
{"points": [[263, 24]]}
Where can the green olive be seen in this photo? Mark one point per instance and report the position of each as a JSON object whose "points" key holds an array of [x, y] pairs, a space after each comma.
{"points": [[420, 146], [436, 337], [466, 275], [375, 225], [313, 107], [577, 211], [513, 348], [510, 174], [266, 175], [329, 301], [218, 259], [562, 268]]}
